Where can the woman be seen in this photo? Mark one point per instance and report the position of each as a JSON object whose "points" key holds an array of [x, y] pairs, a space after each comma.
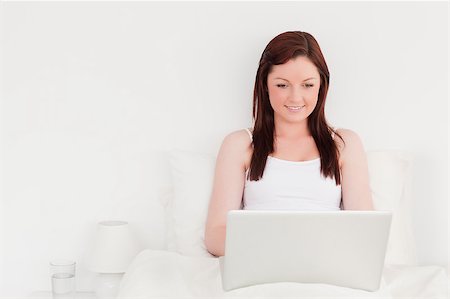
{"points": [[292, 159]]}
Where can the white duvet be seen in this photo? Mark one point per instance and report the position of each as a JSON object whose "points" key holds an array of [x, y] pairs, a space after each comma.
{"points": [[166, 274]]}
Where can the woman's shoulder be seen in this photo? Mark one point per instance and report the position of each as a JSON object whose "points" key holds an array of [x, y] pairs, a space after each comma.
{"points": [[347, 135], [239, 137], [238, 144], [349, 141]]}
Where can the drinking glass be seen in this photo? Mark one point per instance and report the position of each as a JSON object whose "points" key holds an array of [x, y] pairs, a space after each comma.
{"points": [[63, 279]]}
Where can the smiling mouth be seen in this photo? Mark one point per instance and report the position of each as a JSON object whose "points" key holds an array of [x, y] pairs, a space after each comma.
{"points": [[294, 108]]}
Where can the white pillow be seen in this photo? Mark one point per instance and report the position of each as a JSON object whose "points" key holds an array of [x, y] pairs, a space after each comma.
{"points": [[193, 175], [390, 174]]}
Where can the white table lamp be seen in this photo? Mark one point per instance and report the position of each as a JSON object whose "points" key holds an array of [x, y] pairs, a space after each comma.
{"points": [[114, 248]]}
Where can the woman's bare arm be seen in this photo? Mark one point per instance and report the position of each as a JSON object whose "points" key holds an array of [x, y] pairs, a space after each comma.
{"points": [[227, 189], [356, 193]]}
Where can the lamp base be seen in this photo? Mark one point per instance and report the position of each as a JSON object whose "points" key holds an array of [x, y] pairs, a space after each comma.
{"points": [[107, 285]]}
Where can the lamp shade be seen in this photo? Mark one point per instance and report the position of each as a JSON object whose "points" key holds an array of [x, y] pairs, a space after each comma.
{"points": [[114, 247]]}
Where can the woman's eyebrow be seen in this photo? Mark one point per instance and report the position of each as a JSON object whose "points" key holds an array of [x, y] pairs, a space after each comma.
{"points": [[303, 80]]}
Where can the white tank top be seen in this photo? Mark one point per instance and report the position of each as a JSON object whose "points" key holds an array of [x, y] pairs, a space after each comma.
{"points": [[290, 185]]}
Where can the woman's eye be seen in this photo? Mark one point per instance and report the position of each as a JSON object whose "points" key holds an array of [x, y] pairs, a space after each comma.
{"points": [[309, 85], [281, 85]]}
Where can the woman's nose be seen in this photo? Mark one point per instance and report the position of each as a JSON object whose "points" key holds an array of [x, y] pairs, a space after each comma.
{"points": [[296, 95]]}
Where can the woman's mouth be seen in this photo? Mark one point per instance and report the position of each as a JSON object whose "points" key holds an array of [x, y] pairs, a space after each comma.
{"points": [[294, 108]]}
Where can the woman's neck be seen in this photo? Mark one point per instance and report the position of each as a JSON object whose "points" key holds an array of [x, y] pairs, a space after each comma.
{"points": [[292, 131]]}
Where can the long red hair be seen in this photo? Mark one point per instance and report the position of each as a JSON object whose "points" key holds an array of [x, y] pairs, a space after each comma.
{"points": [[282, 48]]}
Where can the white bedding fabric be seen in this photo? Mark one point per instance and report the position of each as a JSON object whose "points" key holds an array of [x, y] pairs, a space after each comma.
{"points": [[166, 274]]}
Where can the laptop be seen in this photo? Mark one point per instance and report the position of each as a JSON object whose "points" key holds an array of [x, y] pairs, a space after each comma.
{"points": [[343, 248]]}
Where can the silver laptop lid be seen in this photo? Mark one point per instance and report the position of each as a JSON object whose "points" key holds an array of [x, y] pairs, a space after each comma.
{"points": [[344, 248]]}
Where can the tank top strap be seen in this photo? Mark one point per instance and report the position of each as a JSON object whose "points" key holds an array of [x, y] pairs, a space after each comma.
{"points": [[333, 132], [250, 134]]}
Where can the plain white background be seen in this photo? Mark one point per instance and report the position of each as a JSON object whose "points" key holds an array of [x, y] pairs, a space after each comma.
{"points": [[92, 92]]}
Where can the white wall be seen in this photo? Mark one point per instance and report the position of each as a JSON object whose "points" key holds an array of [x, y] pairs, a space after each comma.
{"points": [[92, 93]]}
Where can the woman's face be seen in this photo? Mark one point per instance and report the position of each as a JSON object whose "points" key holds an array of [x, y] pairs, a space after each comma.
{"points": [[293, 89]]}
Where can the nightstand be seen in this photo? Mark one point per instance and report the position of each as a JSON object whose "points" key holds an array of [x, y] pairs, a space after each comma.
{"points": [[49, 295]]}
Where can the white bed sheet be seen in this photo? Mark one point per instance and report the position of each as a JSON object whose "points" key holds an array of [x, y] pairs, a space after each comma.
{"points": [[166, 274]]}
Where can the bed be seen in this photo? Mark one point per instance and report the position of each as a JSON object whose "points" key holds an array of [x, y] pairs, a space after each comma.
{"points": [[186, 270]]}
